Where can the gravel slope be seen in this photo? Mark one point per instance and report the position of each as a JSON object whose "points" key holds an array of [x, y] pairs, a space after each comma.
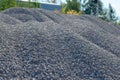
{"points": [[37, 44]]}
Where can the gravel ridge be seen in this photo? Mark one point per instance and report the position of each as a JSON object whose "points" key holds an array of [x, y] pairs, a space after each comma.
{"points": [[36, 44]]}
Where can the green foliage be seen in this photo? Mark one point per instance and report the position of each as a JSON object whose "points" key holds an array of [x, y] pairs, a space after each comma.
{"points": [[53, 1], [71, 5], [33, 4], [111, 14], [5, 4], [118, 23], [104, 16], [63, 8], [29, 4], [73, 12], [94, 7]]}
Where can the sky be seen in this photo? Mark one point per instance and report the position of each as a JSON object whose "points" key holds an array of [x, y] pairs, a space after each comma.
{"points": [[115, 4]]}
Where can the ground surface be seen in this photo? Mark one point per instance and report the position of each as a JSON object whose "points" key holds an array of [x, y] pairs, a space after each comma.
{"points": [[36, 44]]}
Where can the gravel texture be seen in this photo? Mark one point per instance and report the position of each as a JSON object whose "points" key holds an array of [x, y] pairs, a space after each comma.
{"points": [[37, 44]]}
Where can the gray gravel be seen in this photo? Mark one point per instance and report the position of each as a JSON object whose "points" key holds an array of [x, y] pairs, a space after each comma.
{"points": [[37, 44]]}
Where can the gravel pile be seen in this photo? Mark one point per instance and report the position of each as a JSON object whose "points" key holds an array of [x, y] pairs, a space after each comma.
{"points": [[37, 44]]}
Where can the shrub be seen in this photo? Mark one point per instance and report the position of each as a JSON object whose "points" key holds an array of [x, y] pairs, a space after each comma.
{"points": [[73, 12]]}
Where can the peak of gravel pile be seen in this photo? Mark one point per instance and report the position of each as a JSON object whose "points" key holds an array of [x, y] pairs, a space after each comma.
{"points": [[37, 44]]}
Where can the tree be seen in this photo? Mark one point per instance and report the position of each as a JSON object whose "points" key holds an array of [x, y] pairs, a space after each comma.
{"points": [[4, 4], [1, 5], [28, 4], [111, 14], [93, 7], [29, 1], [53, 1], [72, 5], [104, 15], [19, 3], [35, 4]]}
